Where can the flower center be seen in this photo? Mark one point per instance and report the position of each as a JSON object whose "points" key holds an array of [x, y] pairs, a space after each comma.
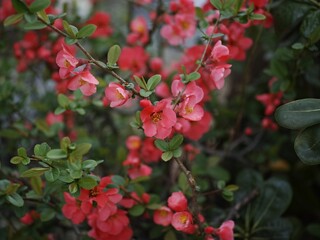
{"points": [[156, 117], [82, 82], [189, 110], [183, 219], [163, 213], [93, 192], [67, 64], [119, 95]]}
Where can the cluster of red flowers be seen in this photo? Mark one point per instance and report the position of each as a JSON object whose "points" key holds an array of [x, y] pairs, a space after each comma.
{"points": [[141, 153], [99, 207], [181, 24], [270, 101], [178, 216]]}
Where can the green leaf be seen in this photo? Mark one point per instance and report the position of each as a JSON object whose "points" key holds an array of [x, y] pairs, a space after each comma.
{"points": [[161, 144], [177, 152], [153, 82], [70, 41], [232, 188], [175, 142], [63, 100], [55, 154], [43, 15], [298, 46], [36, 184], [274, 198], [86, 31], [19, 6], [154, 206], [22, 152], [166, 156], [16, 160], [25, 161], [310, 26], [13, 19], [87, 182], [227, 195], [136, 210], [89, 164], [41, 149], [52, 175], [33, 172], [73, 187], [65, 143], [34, 26], [221, 184], [299, 114], [145, 93], [307, 145], [75, 174], [314, 229], [114, 54], [217, 4], [39, 5], [30, 17], [47, 214], [193, 76], [118, 180], [69, 30], [141, 82], [257, 16], [15, 199]]}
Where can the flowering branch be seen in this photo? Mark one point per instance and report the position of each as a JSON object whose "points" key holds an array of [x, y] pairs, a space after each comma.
{"points": [[91, 58]]}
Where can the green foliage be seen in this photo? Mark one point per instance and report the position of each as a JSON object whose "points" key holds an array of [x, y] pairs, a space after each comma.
{"points": [[86, 31], [113, 56]]}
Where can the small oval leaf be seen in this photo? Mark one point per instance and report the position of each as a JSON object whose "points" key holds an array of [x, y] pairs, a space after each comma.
{"points": [[114, 54]]}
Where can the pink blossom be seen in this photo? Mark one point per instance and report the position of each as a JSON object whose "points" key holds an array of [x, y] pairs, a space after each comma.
{"points": [[85, 81], [182, 221], [74, 210], [139, 31], [133, 142], [116, 94], [158, 120], [178, 202], [66, 62], [270, 101], [162, 216], [218, 75], [219, 53], [225, 231]]}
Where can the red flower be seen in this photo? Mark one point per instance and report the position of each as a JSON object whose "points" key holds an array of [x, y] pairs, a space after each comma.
{"points": [[102, 21], [74, 209], [158, 120], [162, 216], [182, 221], [178, 202]]}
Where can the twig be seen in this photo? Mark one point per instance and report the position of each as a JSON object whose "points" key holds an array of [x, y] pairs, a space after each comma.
{"points": [[193, 185], [234, 211]]}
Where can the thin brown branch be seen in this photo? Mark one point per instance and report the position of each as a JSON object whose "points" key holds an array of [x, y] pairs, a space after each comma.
{"points": [[234, 211], [193, 185]]}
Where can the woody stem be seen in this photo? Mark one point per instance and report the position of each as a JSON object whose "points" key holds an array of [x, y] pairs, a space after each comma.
{"points": [[193, 185]]}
